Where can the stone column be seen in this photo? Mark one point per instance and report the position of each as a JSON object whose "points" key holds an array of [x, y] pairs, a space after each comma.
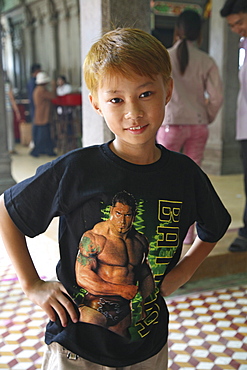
{"points": [[54, 19], [6, 179], [29, 36], [98, 17], [222, 151]]}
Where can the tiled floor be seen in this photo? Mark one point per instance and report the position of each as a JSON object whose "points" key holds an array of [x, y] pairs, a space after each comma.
{"points": [[208, 328], [21, 324]]}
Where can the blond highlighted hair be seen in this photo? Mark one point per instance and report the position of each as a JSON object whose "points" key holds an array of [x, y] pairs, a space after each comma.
{"points": [[124, 51]]}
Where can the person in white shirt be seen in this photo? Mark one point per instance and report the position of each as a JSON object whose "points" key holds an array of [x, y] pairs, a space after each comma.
{"points": [[63, 87], [235, 12]]}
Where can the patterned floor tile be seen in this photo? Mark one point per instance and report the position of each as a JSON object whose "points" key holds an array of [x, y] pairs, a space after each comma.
{"points": [[209, 330], [22, 324]]}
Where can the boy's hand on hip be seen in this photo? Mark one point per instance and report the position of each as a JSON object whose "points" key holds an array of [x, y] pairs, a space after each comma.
{"points": [[51, 296]]}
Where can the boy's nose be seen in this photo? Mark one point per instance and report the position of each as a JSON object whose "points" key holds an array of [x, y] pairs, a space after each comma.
{"points": [[134, 114]]}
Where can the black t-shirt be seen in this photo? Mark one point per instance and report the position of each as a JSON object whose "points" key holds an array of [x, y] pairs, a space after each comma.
{"points": [[97, 264]]}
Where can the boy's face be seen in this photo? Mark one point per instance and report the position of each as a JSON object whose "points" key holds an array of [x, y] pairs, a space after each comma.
{"points": [[238, 23], [133, 108]]}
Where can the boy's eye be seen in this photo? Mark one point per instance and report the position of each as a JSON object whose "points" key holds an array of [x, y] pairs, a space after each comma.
{"points": [[116, 100], [145, 94]]}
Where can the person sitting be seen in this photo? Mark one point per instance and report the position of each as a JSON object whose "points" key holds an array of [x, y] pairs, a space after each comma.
{"points": [[63, 87]]}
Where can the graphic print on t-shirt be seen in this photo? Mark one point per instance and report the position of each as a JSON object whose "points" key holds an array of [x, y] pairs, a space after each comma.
{"points": [[118, 268]]}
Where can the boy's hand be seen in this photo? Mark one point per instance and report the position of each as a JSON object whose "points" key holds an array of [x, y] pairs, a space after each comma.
{"points": [[51, 297], [186, 267]]}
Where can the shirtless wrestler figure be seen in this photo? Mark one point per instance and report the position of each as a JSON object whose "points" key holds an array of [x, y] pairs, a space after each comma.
{"points": [[112, 266]]}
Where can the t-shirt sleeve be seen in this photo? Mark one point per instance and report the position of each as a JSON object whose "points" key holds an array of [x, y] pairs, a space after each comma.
{"points": [[213, 218], [34, 202]]}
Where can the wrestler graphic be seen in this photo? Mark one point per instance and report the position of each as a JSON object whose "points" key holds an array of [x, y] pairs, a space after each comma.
{"points": [[112, 267]]}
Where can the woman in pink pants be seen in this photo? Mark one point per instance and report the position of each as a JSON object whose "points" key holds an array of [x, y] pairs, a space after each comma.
{"points": [[197, 94]]}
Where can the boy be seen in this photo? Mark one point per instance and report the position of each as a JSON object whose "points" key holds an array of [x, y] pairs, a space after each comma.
{"points": [[125, 208]]}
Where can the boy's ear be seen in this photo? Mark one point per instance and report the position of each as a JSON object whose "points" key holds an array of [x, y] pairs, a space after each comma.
{"points": [[169, 88], [95, 104]]}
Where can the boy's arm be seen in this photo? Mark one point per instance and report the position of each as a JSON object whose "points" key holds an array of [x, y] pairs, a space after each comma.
{"points": [[50, 296], [186, 267]]}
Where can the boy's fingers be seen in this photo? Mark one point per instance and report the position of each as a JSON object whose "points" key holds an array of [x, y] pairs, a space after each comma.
{"points": [[54, 300], [63, 306], [69, 307], [50, 313], [58, 308], [66, 307]]}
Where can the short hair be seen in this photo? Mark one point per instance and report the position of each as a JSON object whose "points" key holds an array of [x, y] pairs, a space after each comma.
{"points": [[35, 67], [122, 51], [125, 198], [62, 77], [234, 7]]}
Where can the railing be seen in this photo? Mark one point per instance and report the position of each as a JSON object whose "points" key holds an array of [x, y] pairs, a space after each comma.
{"points": [[67, 122]]}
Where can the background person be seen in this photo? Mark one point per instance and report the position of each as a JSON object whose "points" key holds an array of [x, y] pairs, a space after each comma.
{"points": [[197, 94], [63, 87], [11, 106], [235, 12], [43, 143], [35, 69]]}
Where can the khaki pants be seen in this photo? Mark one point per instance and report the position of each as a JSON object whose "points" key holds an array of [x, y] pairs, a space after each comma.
{"points": [[56, 358]]}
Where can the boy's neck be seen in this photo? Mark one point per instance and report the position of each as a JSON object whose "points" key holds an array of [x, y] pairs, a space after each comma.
{"points": [[141, 155]]}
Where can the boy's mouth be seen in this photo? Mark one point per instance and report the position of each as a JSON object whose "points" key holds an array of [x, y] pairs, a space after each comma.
{"points": [[136, 128]]}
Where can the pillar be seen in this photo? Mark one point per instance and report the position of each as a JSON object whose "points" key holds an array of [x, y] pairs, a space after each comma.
{"points": [[6, 179], [54, 20], [98, 17], [222, 150]]}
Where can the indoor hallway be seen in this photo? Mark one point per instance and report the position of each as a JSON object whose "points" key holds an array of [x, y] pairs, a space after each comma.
{"points": [[208, 318]]}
